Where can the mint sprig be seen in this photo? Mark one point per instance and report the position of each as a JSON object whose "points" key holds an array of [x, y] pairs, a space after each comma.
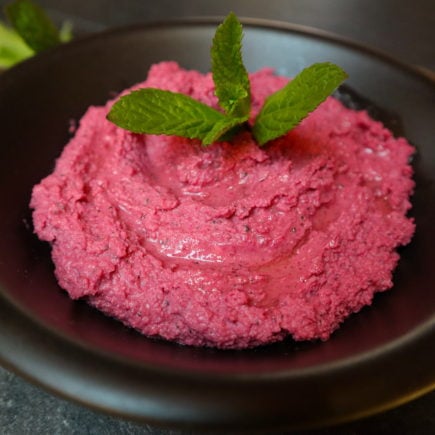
{"points": [[33, 25], [153, 111], [31, 31]]}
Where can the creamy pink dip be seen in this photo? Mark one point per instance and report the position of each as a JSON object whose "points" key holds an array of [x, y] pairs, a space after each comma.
{"points": [[231, 245]]}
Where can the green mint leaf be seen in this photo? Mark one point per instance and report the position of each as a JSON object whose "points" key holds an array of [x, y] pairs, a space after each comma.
{"points": [[33, 25], [284, 109], [12, 48], [155, 111], [230, 77]]}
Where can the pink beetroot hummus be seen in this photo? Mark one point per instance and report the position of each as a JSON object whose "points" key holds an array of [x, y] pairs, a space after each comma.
{"points": [[232, 245]]}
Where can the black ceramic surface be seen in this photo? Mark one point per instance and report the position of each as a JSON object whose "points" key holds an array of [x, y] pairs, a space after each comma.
{"points": [[381, 357]]}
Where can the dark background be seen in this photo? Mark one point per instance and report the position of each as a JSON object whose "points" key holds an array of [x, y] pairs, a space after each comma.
{"points": [[402, 28]]}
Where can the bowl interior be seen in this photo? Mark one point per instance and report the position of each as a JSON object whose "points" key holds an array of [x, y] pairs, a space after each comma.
{"points": [[40, 98]]}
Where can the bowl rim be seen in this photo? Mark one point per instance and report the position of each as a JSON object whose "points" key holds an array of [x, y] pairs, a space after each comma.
{"points": [[416, 341]]}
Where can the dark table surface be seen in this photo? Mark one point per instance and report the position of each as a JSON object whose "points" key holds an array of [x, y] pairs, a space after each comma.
{"points": [[402, 28]]}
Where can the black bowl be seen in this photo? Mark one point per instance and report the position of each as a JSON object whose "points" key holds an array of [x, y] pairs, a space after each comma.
{"points": [[381, 357]]}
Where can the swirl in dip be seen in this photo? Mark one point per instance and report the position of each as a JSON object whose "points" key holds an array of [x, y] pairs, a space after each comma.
{"points": [[231, 245]]}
